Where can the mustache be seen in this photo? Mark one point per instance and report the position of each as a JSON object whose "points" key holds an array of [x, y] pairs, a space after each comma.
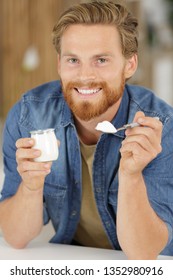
{"points": [[77, 84]]}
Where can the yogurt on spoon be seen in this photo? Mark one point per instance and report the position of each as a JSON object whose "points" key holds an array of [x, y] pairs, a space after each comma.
{"points": [[106, 127]]}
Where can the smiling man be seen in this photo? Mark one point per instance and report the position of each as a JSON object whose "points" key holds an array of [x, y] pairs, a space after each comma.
{"points": [[105, 191], [93, 72]]}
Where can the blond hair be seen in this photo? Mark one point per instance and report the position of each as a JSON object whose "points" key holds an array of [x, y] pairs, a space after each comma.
{"points": [[97, 12]]}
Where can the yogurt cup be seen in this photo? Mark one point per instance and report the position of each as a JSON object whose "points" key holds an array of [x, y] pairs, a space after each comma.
{"points": [[46, 142]]}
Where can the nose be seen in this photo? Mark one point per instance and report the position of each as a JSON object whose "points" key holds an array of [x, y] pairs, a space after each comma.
{"points": [[87, 72]]}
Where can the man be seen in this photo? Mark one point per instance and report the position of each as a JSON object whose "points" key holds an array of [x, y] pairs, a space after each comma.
{"points": [[109, 191]]}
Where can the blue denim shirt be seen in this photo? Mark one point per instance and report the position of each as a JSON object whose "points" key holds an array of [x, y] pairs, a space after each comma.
{"points": [[44, 107]]}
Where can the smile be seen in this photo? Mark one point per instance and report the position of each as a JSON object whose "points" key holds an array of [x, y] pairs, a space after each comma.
{"points": [[87, 91]]}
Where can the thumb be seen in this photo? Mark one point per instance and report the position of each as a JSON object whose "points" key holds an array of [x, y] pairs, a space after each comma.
{"points": [[138, 115]]}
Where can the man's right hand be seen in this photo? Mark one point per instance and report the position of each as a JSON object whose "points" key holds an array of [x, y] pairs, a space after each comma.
{"points": [[32, 173]]}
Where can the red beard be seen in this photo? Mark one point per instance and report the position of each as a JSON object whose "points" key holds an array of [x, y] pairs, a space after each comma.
{"points": [[87, 110]]}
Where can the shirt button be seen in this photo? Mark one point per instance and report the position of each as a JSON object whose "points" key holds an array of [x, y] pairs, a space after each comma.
{"points": [[74, 212], [98, 190]]}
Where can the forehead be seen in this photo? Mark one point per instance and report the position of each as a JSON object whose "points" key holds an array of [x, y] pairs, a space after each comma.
{"points": [[89, 37]]}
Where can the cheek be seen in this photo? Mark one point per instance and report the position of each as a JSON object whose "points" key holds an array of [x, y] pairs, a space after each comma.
{"points": [[111, 73], [68, 74], [111, 79]]}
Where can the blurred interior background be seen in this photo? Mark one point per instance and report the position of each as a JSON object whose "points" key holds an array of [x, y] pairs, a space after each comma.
{"points": [[28, 58]]}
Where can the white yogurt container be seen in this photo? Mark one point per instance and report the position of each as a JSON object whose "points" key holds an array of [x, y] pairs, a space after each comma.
{"points": [[46, 142]]}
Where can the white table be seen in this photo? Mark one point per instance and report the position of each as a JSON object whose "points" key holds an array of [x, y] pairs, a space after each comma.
{"points": [[40, 250], [48, 251]]}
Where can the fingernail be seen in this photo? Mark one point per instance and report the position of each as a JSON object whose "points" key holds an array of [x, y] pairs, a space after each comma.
{"points": [[37, 153], [30, 142], [47, 166], [141, 120]]}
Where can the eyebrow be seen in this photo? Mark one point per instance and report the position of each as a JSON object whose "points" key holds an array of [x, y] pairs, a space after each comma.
{"points": [[103, 54], [69, 54], [94, 56]]}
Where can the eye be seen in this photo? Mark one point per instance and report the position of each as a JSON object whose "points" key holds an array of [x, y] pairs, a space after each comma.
{"points": [[73, 60], [102, 60]]}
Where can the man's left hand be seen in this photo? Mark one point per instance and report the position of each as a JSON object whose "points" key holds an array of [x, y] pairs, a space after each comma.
{"points": [[141, 145]]}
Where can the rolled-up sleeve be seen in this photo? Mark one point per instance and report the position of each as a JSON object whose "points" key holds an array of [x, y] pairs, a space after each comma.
{"points": [[11, 133], [158, 177]]}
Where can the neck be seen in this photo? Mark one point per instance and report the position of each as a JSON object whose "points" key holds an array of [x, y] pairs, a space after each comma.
{"points": [[86, 129]]}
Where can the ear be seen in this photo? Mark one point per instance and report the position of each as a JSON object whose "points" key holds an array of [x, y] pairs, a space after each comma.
{"points": [[131, 66], [58, 64]]}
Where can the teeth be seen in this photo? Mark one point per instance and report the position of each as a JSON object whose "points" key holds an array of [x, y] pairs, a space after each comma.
{"points": [[87, 91]]}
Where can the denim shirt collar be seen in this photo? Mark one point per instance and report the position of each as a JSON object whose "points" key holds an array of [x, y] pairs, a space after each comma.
{"points": [[66, 116], [121, 117]]}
